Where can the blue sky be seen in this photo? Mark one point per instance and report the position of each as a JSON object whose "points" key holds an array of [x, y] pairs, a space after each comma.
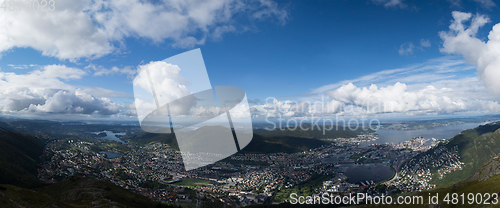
{"points": [[290, 50]]}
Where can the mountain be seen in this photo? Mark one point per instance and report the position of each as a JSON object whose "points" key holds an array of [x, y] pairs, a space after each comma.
{"points": [[488, 170], [276, 144], [143, 138], [268, 143], [484, 180], [19, 158], [474, 148], [313, 132], [74, 192], [20, 187]]}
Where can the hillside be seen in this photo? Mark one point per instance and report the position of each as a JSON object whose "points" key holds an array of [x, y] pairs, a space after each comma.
{"points": [[20, 187], [266, 143], [488, 170], [143, 138], [312, 133], [484, 180], [474, 147], [275, 144], [19, 159], [74, 192]]}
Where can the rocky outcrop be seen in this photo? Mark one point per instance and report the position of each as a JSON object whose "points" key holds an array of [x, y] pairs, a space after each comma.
{"points": [[488, 170]]}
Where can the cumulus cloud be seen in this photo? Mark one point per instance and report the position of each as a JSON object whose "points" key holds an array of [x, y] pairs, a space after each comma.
{"points": [[399, 99], [91, 29], [162, 80], [43, 91], [406, 48], [274, 108], [49, 76], [70, 102], [168, 84], [446, 85], [461, 39]]}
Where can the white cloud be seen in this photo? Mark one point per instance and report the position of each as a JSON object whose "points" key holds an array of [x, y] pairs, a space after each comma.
{"points": [[433, 70], [66, 33], [406, 48], [425, 43], [168, 83], [91, 29], [42, 91], [391, 3], [102, 92], [486, 3], [438, 98], [399, 99], [101, 71], [49, 76], [455, 3], [72, 102], [485, 55], [446, 85], [168, 86], [20, 66]]}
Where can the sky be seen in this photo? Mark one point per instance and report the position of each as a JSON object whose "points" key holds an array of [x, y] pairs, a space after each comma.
{"points": [[294, 59]]}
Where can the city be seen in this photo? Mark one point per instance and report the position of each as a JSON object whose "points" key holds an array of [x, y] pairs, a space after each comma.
{"points": [[156, 171]]}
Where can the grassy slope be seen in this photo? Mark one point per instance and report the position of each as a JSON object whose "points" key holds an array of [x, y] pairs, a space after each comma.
{"points": [[19, 160], [75, 192], [491, 185], [305, 188], [476, 146]]}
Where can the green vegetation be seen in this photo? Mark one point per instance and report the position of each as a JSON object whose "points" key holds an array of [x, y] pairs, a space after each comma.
{"points": [[475, 146], [305, 188], [355, 156], [491, 186], [120, 173], [141, 139], [192, 182], [269, 143], [316, 132], [286, 144], [19, 159], [76, 192]]}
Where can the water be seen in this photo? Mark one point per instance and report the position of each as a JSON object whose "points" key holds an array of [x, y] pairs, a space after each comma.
{"points": [[379, 172], [397, 136], [111, 136], [367, 172], [110, 155]]}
